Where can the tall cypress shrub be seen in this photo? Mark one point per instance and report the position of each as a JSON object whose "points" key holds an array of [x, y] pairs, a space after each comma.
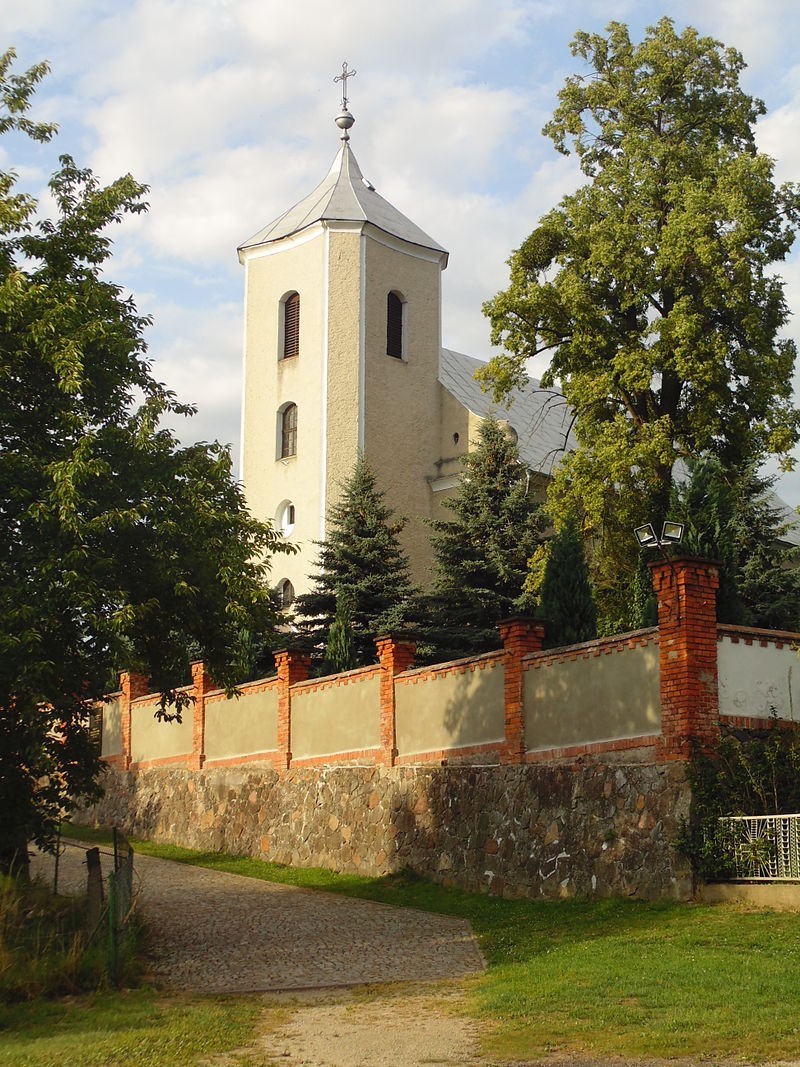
{"points": [[566, 596]]}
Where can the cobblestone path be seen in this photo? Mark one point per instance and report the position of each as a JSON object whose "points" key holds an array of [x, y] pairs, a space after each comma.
{"points": [[224, 933]]}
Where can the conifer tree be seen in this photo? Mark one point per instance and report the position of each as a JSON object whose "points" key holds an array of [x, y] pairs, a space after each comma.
{"points": [[339, 655], [481, 554], [566, 595], [361, 559], [730, 517]]}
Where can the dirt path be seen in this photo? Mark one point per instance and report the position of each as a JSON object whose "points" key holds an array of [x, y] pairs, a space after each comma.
{"points": [[379, 1028]]}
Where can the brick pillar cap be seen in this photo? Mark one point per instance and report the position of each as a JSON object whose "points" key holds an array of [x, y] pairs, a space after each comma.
{"points": [[398, 637], [670, 561], [530, 620], [291, 652]]}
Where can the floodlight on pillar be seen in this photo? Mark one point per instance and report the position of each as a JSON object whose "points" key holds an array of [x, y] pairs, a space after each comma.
{"points": [[646, 536], [672, 532]]}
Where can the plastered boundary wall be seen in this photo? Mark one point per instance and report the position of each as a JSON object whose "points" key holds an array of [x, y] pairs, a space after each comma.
{"points": [[602, 692], [649, 691], [759, 676], [521, 771]]}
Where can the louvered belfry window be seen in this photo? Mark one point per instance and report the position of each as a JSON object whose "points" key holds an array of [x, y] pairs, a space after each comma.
{"points": [[289, 431], [291, 326], [394, 326]]}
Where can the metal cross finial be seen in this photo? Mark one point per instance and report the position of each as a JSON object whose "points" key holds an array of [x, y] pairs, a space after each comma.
{"points": [[343, 79]]}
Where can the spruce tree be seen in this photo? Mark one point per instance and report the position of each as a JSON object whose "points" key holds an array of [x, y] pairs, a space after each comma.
{"points": [[566, 596], [362, 560], [730, 517], [481, 554]]}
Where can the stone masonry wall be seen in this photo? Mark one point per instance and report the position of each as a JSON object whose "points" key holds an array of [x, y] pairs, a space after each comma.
{"points": [[531, 830]]}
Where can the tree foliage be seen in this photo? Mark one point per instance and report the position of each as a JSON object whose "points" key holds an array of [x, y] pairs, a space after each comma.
{"points": [[731, 517], [653, 286], [566, 601], [481, 554], [751, 774], [118, 548], [361, 565]]}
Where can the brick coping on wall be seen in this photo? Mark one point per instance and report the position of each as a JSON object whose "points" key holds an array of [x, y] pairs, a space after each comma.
{"points": [[597, 646], [750, 634], [453, 665], [330, 681]]}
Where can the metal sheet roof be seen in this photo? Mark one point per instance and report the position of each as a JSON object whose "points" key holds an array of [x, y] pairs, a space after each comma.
{"points": [[344, 195], [540, 417], [542, 420]]}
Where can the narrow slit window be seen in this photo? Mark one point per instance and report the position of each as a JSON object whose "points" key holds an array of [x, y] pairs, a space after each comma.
{"points": [[291, 326], [289, 431], [394, 326]]}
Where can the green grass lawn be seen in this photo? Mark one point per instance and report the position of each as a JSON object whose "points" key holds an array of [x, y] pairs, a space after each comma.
{"points": [[612, 976], [140, 1028]]}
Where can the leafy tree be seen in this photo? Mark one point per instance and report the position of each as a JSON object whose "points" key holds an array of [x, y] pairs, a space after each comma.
{"points": [[752, 773], [653, 286], [481, 554], [361, 560], [118, 548], [566, 596]]}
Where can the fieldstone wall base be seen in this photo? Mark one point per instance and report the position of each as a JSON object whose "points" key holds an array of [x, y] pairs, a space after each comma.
{"points": [[531, 831]]}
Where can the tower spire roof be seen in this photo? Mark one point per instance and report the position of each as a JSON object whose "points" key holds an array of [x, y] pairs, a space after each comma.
{"points": [[344, 195]]}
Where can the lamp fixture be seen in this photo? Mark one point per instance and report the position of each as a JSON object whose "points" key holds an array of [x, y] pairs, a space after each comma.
{"points": [[671, 534]]}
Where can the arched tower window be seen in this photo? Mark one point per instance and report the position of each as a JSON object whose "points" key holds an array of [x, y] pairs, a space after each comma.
{"points": [[291, 326], [394, 326], [285, 594], [288, 431]]}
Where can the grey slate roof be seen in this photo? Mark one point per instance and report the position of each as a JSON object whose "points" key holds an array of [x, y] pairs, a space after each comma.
{"points": [[344, 195], [542, 421], [540, 417]]}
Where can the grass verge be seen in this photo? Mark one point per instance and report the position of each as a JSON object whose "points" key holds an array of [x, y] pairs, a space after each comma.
{"points": [[610, 977], [46, 946], [138, 1027]]}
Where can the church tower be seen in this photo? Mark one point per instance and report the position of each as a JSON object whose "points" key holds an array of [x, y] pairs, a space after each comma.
{"points": [[341, 354]]}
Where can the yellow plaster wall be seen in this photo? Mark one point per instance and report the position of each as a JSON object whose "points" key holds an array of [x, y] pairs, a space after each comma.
{"points": [[336, 718], [111, 737], [450, 709], [243, 726], [271, 382], [344, 331], [593, 698], [152, 739], [401, 434]]}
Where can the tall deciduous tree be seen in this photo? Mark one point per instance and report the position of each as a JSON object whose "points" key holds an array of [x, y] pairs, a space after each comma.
{"points": [[361, 565], [653, 286], [118, 548], [481, 554]]}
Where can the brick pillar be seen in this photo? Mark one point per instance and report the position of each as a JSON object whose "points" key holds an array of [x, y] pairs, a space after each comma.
{"points": [[519, 635], [292, 666], [201, 681], [133, 686], [396, 656], [687, 623]]}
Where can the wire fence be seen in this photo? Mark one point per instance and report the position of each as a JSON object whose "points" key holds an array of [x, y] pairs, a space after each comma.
{"points": [[110, 902], [764, 848]]}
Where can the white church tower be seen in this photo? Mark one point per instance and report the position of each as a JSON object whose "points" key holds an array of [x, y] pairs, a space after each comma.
{"points": [[341, 353]]}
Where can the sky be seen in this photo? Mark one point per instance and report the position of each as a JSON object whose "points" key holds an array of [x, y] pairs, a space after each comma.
{"points": [[225, 109]]}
